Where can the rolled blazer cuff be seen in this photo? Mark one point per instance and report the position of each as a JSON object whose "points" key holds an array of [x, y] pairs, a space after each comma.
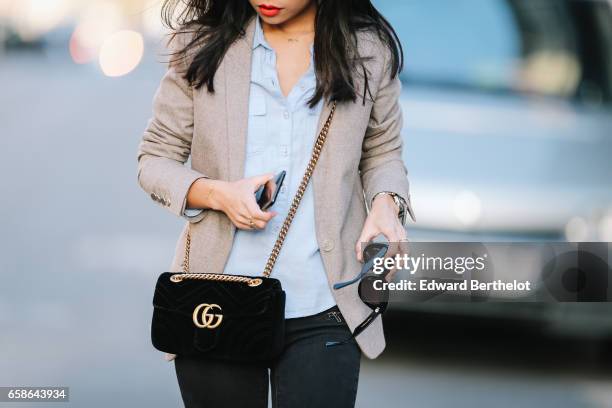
{"points": [[168, 182], [194, 215], [179, 192]]}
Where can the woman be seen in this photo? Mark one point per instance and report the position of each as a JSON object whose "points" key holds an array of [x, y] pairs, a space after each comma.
{"points": [[246, 94]]}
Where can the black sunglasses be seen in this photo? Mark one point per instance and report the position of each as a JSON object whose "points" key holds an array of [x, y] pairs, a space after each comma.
{"points": [[377, 300]]}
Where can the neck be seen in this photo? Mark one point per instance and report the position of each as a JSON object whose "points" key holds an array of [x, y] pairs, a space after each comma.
{"points": [[303, 22]]}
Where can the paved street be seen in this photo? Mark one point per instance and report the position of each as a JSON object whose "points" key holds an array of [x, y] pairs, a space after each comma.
{"points": [[81, 246]]}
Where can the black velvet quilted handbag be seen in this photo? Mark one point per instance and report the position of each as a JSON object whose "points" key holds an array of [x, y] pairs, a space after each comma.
{"points": [[227, 317]]}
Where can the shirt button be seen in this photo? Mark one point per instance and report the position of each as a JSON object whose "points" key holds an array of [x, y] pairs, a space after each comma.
{"points": [[327, 245], [284, 150], [286, 114], [283, 189]]}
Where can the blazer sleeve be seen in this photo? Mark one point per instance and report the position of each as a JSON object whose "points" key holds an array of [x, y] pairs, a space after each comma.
{"points": [[381, 165], [166, 143]]}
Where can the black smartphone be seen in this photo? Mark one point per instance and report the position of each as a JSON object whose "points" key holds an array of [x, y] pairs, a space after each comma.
{"points": [[266, 195]]}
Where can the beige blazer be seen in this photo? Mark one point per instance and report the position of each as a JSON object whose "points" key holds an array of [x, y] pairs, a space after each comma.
{"points": [[362, 156]]}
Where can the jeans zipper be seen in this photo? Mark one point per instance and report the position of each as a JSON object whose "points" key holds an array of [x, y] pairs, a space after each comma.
{"points": [[334, 315]]}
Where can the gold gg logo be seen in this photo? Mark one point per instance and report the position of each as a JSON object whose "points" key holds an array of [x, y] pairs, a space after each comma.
{"points": [[204, 319]]}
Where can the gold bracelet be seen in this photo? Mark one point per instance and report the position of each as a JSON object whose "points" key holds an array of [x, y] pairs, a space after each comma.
{"points": [[210, 193]]}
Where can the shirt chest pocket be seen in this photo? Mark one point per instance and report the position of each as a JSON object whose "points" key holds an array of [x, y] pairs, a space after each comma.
{"points": [[258, 122]]}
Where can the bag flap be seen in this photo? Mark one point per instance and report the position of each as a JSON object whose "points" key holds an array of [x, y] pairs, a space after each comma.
{"points": [[236, 300]]}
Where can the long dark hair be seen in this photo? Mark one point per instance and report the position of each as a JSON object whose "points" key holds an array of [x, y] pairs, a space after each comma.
{"points": [[216, 24]]}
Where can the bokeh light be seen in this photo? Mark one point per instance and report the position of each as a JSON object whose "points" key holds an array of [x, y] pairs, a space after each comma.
{"points": [[577, 230], [98, 21], [33, 18], [121, 53], [80, 54], [605, 228], [467, 207], [151, 21]]}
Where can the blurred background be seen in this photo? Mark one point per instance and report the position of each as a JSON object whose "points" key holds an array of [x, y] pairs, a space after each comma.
{"points": [[508, 137]]}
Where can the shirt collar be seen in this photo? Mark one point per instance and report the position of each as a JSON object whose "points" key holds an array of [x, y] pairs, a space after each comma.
{"points": [[260, 39]]}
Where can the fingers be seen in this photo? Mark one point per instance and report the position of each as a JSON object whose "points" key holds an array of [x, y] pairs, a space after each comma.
{"points": [[393, 233], [404, 247], [367, 235], [256, 213], [260, 180], [259, 218], [400, 246], [395, 236], [247, 223], [251, 217], [401, 233], [241, 206], [242, 225]]}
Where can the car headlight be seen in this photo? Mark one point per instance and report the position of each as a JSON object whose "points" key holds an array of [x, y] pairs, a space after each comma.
{"points": [[605, 227], [577, 230], [598, 228]]}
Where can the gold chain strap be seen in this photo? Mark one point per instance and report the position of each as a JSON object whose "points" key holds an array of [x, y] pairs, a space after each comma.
{"points": [[187, 251], [179, 277], [316, 152]]}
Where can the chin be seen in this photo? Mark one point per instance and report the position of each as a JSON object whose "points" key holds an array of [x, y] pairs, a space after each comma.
{"points": [[279, 19]]}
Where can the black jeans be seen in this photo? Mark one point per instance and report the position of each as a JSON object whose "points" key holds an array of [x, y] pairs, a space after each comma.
{"points": [[307, 374]]}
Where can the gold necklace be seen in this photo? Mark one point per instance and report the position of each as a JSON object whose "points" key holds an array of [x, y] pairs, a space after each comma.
{"points": [[295, 37]]}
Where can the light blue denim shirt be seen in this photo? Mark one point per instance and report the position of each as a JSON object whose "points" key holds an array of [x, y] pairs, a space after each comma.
{"points": [[281, 134]]}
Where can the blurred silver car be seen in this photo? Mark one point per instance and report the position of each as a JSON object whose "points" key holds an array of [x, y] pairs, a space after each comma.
{"points": [[508, 129]]}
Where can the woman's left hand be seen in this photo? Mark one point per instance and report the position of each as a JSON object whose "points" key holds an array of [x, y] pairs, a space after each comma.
{"points": [[383, 219]]}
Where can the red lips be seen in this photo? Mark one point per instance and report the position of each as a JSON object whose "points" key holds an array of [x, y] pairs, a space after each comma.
{"points": [[268, 10]]}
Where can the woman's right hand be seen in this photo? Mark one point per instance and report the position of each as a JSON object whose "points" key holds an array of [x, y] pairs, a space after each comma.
{"points": [[236, 199]]}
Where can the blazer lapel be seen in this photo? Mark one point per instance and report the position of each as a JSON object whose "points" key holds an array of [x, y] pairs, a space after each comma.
{"points": [[237, 65], [322, 169]]}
